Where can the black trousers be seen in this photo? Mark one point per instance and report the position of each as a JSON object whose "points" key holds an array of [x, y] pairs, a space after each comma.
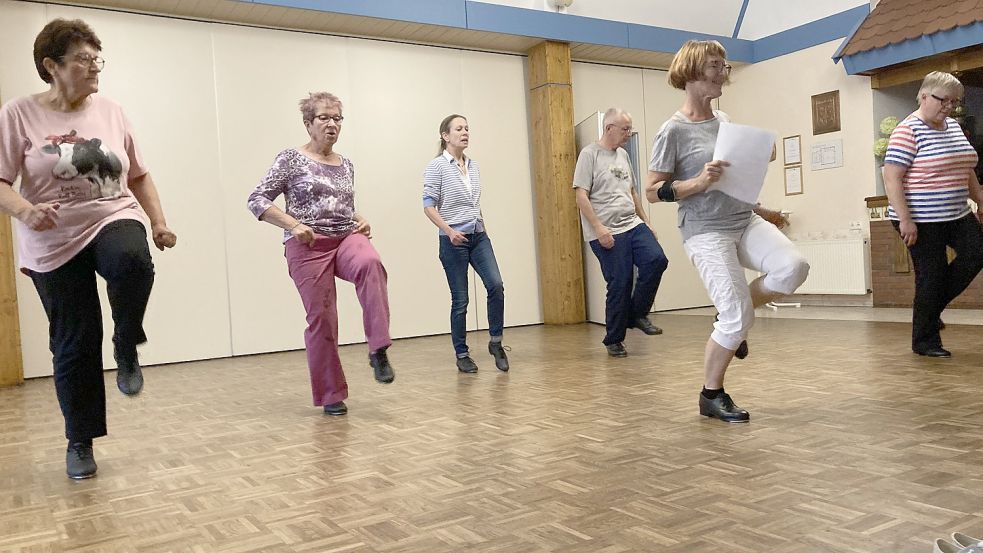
{"points": [[938, 282], [119, 254]]}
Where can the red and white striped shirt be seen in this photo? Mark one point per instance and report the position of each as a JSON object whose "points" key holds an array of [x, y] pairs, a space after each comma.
{"points": [[936, 183]]}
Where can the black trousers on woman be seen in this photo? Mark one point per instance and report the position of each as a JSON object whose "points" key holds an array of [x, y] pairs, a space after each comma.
{"points": [[937, 281], [119, 254]]}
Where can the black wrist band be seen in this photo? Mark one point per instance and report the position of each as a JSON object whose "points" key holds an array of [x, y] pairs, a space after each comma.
{"points": [[666, 192]]}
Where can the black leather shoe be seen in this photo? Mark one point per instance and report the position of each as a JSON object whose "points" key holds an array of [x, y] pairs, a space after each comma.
{"points": [[466, 365], [80, 461], [336, 409], [934, 352], [380, 364], [129, 375], [646, 326], [498, 352], [723, 408], [617, 350]]}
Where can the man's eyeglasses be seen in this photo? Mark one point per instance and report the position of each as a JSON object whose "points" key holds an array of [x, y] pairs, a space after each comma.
{"points": [[86, 59], [951, 102], [719, 66], [628, 130], [324, 118]]}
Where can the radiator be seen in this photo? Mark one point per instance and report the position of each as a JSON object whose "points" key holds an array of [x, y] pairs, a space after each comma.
{"points": [[837, 266]]}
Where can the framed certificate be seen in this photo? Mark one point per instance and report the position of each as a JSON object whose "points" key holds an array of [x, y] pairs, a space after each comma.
{"points": [[792, 149], [793, 180]]}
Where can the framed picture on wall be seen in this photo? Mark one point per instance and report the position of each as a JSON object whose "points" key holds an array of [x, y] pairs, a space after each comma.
{"points": [[792, 149], [826, 112], [793, 180]]}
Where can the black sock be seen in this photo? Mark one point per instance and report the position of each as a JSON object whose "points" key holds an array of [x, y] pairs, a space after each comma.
{"points": [[711, 394]]}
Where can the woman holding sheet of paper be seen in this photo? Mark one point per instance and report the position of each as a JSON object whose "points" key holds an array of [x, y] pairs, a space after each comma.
{"points": [[722, 234]]}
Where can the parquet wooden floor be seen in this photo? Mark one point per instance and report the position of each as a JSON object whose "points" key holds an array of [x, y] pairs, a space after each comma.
{"points": [[855, 445]]}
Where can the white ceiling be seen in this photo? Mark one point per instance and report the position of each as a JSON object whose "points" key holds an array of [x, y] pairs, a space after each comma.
{"points": [[716, 17]]}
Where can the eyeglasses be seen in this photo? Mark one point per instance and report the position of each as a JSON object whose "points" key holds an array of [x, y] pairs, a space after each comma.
{"points": [[628, 130], [324, 118], [951, 102], [719, 66], [86, 59]]}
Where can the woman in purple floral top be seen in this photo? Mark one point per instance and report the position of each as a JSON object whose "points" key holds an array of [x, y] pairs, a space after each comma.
{"points": [[325, 238]]}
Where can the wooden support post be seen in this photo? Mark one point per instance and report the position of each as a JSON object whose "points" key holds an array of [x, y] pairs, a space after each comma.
{"points": [[11, 363], [561, 265]]}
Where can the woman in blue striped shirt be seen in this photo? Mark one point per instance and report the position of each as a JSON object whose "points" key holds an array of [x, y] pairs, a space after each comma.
{"points": [[929, 173], [452, 201]]}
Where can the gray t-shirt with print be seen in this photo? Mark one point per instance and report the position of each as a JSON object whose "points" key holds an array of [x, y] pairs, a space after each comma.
{"points": [[682, 147], [606, 176]]}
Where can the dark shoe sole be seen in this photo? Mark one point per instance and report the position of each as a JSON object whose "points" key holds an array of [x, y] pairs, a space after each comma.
{"points": [[82, 476], [734, 421], [336, 411], [385, 380], [934, 354]]}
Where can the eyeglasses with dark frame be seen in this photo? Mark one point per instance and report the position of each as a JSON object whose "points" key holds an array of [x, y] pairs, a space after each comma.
{"points": [[86, 60], [719, 67], [951, 102], [324, 118]]}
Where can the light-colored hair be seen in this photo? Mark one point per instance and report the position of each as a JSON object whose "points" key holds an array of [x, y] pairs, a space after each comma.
{"points": [[688, 63], [308, 106], [940, 80], [614, 113], [445, 126]]}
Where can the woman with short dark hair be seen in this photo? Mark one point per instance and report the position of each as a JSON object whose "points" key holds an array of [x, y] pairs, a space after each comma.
{"points": [[84, 204]]}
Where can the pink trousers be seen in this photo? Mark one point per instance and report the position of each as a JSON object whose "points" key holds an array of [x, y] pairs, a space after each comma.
{"points": [[313, 269]]}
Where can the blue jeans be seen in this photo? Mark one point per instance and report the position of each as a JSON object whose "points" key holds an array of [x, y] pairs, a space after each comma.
{"points": [[478, 253], [633, 248]]}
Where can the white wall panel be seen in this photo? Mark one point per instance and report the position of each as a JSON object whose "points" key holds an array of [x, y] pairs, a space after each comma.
{"points": [[168, 95], [494, 102], [259, 77], [650, 100]]}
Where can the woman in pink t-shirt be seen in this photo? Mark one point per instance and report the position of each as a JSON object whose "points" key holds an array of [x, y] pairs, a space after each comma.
{"points": [[84, 201]]}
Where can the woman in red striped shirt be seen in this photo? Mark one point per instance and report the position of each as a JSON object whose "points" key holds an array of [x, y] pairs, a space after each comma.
{"points": [[929, 173]]}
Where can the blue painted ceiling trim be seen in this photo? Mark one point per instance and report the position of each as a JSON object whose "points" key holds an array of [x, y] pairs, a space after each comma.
{"points": [[482, 16], [808, 35], [447, 13], [542, 24], [740, 19], [658, 39], [921, 47]]}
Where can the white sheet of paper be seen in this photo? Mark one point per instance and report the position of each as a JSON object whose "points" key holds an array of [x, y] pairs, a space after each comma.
{"points": [[748, 149]]}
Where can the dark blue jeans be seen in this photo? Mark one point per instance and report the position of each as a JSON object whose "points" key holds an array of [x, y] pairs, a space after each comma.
{"points": [[478, 253], [633, 248], [938, 282], [119, 253]]}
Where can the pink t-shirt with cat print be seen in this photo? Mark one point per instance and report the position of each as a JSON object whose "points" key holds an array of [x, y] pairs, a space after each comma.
{"points": [[81, 160]]}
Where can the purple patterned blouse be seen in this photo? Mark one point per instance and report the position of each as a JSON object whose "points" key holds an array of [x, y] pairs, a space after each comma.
{"points": [[319, 195]]}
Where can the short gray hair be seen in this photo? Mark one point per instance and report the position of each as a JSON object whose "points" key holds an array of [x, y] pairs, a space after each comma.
{"points": [[309, 105], [940, 79], [613, 113]]}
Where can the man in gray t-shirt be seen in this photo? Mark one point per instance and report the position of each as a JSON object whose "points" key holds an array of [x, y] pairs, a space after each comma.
{"points": [[615, 225]]}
